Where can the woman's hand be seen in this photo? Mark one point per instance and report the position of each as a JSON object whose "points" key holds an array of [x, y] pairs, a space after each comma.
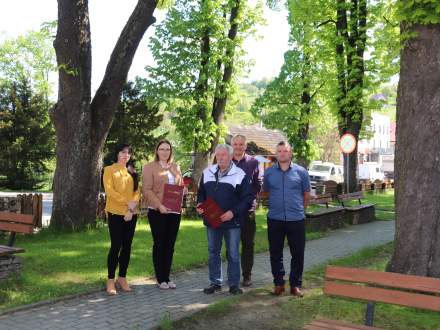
{"points": [[163, 209], [128, 216], [132, 206]]}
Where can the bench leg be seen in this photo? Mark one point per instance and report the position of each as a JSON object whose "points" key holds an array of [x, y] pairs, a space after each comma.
{"points": [[369, 314], [11, 239]]}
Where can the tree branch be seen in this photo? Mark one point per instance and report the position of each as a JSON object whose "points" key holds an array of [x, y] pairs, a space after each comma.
{"points": [[326, 22], [107, 96]]}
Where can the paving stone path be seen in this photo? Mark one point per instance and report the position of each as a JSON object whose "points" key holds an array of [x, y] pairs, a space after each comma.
{"points": [[146, 306]]}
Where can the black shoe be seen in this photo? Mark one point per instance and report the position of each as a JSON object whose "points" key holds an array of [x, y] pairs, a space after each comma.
{"points": [[247, 281], [212, 288], [235, 290]]}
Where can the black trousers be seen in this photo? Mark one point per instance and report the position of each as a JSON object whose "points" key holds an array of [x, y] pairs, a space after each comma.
{"points": [[164, 228], [248, 230], [121, 236], [277, 231]]}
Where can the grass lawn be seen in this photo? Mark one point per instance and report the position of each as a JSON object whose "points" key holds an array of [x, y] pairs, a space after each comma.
{"points": [[259, 309], [57, 264]]}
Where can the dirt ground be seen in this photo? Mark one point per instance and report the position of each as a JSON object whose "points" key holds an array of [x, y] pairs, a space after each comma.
{"points": [[254, 310]]}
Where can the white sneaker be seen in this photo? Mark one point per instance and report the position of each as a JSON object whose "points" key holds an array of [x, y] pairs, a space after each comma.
{"points": [[172, 285], [163, 286]]}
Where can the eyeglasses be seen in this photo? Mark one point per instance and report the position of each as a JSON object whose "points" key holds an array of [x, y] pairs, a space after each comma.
{"points": [[162, 149]]}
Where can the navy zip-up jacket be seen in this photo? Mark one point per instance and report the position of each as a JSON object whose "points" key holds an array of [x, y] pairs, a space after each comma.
{"points": [[232, 192]]}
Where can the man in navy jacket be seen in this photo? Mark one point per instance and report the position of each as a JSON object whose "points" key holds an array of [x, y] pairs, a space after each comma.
{"points": [[230, 188]]}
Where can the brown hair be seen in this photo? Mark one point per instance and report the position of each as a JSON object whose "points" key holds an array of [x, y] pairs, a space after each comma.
{"points": [[164, 141], [285, 143]]}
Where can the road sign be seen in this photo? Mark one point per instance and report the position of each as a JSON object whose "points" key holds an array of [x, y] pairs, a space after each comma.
{"points": [[347, 143]]}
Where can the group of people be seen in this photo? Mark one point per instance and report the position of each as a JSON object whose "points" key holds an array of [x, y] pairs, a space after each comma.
{"points": [[234, 183]]}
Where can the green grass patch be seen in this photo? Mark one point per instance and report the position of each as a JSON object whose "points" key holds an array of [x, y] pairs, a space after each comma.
{"points": [[57, 264], [291, 313]]}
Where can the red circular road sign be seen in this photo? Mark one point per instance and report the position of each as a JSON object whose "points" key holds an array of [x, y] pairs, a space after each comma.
{"points": [[347, 143]]}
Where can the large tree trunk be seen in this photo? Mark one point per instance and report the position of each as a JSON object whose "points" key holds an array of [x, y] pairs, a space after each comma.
{"points": [[417, 240], [82, 124]]}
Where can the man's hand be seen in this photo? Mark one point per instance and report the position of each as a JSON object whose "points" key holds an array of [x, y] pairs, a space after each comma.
{"points": [[198, 210], [227, 216]]}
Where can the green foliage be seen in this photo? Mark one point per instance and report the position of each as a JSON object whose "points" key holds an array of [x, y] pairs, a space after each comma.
{"points": [[26, 134], [192, 49], [134, 123], [27, 138], [419, 11], [291, 101], [30, 57]]}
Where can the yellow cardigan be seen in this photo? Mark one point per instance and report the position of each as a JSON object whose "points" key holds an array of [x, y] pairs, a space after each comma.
{"points": [[118, 186]]}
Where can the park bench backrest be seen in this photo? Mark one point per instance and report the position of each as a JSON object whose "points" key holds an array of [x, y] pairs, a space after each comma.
{"points": [[351, 196], [16, 223], [375, 286], [331, 187], [321, 199]]}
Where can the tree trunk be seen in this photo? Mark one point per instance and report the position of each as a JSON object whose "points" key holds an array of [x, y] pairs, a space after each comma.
{"points": [[351, 161], [202, 159], [350, 46], [82, 124], [417, 168]]}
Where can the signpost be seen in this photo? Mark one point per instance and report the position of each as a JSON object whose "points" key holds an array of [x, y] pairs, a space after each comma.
{"points": [[348, 145]]}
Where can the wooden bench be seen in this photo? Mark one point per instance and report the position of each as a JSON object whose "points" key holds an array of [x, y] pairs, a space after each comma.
{"points": [[13, 223], [366, 185], [357, 214], [328, 217], [263, 199], [379, 186], [374, 286], [331, 187]]}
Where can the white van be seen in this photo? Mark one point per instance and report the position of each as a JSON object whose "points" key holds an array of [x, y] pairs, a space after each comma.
{"points": [[320, 172], [370, 171]]}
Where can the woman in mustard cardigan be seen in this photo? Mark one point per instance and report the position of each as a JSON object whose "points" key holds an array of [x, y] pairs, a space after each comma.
{"points": [[122, 197], [163, 223]]}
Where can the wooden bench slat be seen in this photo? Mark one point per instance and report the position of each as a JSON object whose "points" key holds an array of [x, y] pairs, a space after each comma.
{"points": [[17, 217], [358, 207], [395, 280], [321, 199], [16, 227], [341, 325], [8, 250], [324, 210], [351, 196], [383, 295]]}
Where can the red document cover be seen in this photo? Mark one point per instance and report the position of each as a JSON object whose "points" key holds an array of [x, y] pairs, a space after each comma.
{"points": [[173, 197], [211, 212]]}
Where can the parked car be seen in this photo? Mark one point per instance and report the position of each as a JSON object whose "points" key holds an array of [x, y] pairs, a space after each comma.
{"points": [[370, 171], [324, 171]]}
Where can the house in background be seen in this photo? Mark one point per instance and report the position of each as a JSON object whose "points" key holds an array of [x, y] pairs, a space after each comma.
{"points": [[380, 147], [261, 142]]}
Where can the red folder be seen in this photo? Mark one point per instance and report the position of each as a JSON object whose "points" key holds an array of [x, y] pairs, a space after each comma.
{"points": [[173, 197], [211, 212]]}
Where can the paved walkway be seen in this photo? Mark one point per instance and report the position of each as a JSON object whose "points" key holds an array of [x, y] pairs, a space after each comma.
{"points": [[146, 306]]}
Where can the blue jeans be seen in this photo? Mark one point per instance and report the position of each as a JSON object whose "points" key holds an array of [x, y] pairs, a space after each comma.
{"points": [[232, 240]]}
